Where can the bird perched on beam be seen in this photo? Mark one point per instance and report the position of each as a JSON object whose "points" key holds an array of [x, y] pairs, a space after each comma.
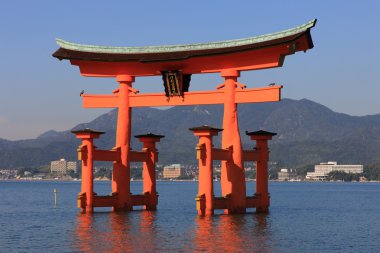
{"points": [[271, 84], [81, 93]]}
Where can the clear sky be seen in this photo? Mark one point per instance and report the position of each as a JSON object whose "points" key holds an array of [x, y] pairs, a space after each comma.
{"points": [[39, 93]]}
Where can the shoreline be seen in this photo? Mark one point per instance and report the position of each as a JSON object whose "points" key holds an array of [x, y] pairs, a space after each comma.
{"points": [[180, 180]]}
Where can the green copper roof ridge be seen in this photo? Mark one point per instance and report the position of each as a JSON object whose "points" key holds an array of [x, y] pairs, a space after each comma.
{"points": [[184, 47]]}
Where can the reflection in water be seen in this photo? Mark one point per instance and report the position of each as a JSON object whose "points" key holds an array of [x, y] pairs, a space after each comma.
{"points": [[204, 234], [263, 238], [231, 238], [116, 232], [83, 232], [303, 218], [145, 232], [232, 233], [119, 237]]}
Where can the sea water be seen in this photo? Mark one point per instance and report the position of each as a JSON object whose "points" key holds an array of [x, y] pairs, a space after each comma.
{"points": [[303, 217]]}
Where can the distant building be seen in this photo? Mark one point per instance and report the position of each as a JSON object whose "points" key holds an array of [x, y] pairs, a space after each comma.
{"points": [[287, 174], [62, 166], [72, 165], [323, 169], [8, 173], [173, 171]]}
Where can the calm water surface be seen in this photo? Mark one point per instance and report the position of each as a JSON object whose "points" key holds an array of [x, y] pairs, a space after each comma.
{"points": [[304, 217]]}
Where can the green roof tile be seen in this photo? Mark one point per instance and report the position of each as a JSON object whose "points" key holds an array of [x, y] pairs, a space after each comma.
{"points": [[185, 47]]}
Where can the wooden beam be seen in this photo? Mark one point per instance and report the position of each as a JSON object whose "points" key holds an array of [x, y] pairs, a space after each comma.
{"points": [[269, 57], [104, 201], [221, 154], [139, 200], [250, 155], [253, 95], [100, 101], [107, 155], [251, 202], [139, 156]]}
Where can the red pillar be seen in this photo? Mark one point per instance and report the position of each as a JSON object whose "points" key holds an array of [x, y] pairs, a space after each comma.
{"points": [[232, 173], [121, 171], [205, 198], [149, 169], [87, 156], [262, 194]]}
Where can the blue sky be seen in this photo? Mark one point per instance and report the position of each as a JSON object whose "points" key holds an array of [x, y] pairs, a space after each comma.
{"points": [[39, 93]]}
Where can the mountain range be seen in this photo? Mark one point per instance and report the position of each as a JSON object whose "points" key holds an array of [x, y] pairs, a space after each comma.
{"points": [[307, 133]]}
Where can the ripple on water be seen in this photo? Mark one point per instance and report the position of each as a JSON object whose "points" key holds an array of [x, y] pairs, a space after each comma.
{"points": [[303, 218]]}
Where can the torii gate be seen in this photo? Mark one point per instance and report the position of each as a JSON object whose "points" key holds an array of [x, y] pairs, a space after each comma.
{"points": [[176, 64]]}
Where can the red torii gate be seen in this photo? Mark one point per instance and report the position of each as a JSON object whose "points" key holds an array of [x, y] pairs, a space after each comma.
{"points": [[176, 64]]}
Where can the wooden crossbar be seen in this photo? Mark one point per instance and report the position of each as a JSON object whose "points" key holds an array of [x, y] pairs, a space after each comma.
{"points": [[253, 95]]}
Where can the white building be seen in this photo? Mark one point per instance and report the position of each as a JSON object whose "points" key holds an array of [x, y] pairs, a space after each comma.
{"points": [[62, 166], [323, 169], [287, 174]]}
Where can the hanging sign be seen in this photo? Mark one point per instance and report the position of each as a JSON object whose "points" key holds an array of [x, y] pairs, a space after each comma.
{"points": [[172, 83], [175, 82]]}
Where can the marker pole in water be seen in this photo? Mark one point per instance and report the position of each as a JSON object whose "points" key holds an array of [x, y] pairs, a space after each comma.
{"points": [[55, 197]]}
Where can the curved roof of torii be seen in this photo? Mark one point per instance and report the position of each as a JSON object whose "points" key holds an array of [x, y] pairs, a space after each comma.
{"points": [[295, 39]]}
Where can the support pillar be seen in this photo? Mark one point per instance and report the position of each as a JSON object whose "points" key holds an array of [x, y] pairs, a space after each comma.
{"points": [[121, 171], [232, 173], [86, 154], [205, 197], [149, 169], [262, 194]]}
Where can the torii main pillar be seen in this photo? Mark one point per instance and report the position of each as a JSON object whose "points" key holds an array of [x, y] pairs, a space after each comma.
{"points": [[232, 174], [121, 170]]}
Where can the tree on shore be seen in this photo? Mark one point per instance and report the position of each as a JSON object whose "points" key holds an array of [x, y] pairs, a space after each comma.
{"points": [[372, 172], [343, 176]]}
